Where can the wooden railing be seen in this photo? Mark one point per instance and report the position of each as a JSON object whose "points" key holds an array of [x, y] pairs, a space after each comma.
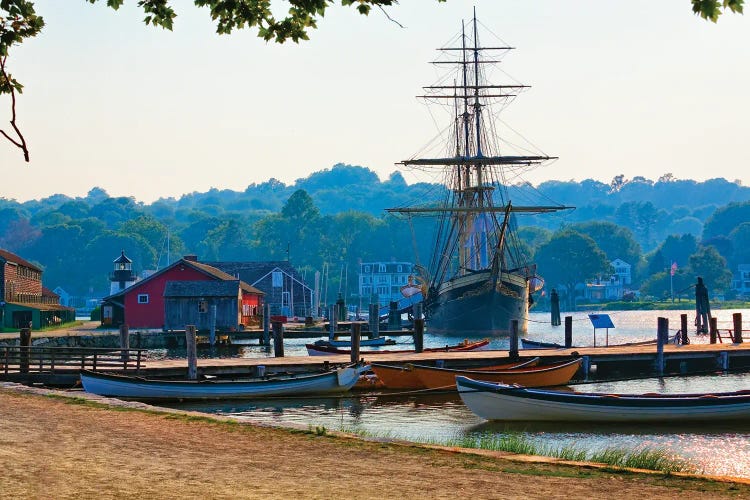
{"points": [[15, 359]]}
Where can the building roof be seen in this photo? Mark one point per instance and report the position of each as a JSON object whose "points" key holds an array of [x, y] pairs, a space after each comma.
{"points": [[252, 272], [198, 266], [11, 257], [122, 259], [202, 288], [39, 307], [46, 292]]}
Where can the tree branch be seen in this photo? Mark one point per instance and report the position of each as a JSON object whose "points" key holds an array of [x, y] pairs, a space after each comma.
{"points": [[389, 17], [21, 142]]}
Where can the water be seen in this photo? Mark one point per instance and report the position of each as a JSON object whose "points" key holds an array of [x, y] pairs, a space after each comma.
{"points": [[712, 448], [630, 326]]}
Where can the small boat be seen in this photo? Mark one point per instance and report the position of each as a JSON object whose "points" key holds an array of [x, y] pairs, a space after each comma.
{"points": [[378, 341], [504, 402], [403, 376], [314, 350], [535, 376], [533, 344], [125, 386]]}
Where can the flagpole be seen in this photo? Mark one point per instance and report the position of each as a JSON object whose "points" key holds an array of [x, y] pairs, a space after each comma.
{"points": [[671, 277]]}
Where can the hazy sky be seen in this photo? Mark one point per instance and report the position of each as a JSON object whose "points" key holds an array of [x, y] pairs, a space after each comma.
{"points": [[634, 88]]}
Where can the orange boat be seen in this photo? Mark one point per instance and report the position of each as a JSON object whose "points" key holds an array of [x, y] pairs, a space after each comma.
{"points": [[404, 377], [539, 376]]}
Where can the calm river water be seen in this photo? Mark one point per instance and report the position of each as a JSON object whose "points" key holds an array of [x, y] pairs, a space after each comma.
{"points": [[713, 448]]}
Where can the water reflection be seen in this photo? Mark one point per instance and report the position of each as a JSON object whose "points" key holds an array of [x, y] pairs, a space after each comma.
{"points": [[713, 447]]}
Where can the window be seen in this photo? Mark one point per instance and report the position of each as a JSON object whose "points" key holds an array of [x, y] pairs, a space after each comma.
{"points": [[277, 280], [367, 269], [381, 268], [143, 298], [202, 306], [398, 268]]}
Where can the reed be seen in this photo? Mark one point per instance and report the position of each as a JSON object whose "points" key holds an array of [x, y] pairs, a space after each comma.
{"points": [[515, 442]]}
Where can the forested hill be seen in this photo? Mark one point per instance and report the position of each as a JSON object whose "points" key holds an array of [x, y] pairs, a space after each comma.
{"points": [[333, 217]]}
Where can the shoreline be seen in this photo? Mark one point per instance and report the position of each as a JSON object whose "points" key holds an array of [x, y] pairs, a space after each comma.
{"points": [[174, 453]]}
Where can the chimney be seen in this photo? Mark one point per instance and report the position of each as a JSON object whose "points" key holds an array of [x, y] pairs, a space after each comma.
{"points": [[191, 258]]}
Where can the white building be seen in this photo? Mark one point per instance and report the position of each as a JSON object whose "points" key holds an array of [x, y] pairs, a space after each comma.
{"points": [[622, 269], [384, 279], [741, 279]]}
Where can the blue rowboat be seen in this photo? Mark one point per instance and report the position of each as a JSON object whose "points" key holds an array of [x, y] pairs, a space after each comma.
{"points": [[363, 342], [505, 402], [124, 386]]}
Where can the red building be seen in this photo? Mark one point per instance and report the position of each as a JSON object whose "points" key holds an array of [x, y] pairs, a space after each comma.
{"points": [[142, 305]]}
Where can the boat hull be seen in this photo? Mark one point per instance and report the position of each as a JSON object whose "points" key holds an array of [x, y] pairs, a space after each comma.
{"points": [[379, 341], [538, 376], [315, 350], [475, 304], [499, 402], [332, 382], [404, 377]]}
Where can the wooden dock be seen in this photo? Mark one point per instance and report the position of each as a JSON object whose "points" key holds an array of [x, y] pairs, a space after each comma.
{"points": [[600, 363]]}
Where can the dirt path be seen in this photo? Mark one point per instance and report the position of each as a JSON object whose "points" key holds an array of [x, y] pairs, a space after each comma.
{"points": [[53, 447]]}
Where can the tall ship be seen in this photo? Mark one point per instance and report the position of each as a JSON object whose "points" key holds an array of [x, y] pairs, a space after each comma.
{"points": [[478, 278]]}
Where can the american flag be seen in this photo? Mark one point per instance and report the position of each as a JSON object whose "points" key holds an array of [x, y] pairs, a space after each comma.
{"points": [[673, 268]]}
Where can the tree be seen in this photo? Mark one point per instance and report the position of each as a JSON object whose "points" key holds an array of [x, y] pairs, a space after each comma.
{"points": [[709, 264], [568, 258], [615, 241]]}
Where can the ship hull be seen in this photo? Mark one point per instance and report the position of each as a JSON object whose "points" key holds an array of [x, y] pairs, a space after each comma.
{"points": [[475, 305]]}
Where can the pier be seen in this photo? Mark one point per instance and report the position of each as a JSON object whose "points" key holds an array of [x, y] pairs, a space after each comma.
{"points": [[60, 366]]}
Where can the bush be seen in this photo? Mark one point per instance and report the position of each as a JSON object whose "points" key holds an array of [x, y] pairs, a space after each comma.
{"points": [[96, 314]]}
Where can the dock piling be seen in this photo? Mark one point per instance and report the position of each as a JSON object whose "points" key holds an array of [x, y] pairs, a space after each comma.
{"points": [[374, 321], [266, 325], [568, 332], [714, 329], [124, 342], [513, 349], [418, 335], [586, 367], [332, 322], [23, 352], [723, 361], [662, 334], [737, 320], [192, 352], [683, 330], [278, 339], [356, 335]]}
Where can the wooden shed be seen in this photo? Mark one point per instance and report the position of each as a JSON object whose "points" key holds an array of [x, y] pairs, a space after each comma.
{"points": [[192, 303]]}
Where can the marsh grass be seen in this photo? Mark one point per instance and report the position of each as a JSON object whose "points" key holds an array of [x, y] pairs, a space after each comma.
{"points": [[515, 442]]}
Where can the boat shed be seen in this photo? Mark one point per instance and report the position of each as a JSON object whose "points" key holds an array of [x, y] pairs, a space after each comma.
{"points": [[193, 303], [142, 305]]}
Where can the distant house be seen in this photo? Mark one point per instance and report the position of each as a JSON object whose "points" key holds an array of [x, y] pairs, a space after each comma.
{"points": [[741, 280], [623, 270], [24, 301], [609, 288], [384, 279], [144, 305], [285, 290]]}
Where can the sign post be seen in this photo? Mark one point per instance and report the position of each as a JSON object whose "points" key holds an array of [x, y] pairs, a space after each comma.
{"points": [[601, 321]]}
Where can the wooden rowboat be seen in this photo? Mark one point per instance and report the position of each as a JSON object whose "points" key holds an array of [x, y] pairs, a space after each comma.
{"points": [[403, 376], [314, 350], [335, 381], [536, 376], [503, 402]]}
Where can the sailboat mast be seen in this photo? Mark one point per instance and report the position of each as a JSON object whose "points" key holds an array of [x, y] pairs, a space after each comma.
{"points": [[477, 106]]}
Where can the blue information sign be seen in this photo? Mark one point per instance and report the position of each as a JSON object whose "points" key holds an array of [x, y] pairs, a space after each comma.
{"points": [[601, 321]]}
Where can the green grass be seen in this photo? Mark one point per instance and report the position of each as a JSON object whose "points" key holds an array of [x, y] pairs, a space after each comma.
{"points": [[514, 442]]}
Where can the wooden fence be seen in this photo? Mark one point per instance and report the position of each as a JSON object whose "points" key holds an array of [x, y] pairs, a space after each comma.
{"points": [[51, 360]]}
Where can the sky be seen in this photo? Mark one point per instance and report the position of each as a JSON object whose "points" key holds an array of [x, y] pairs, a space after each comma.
{"points": [[634, 88]]}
